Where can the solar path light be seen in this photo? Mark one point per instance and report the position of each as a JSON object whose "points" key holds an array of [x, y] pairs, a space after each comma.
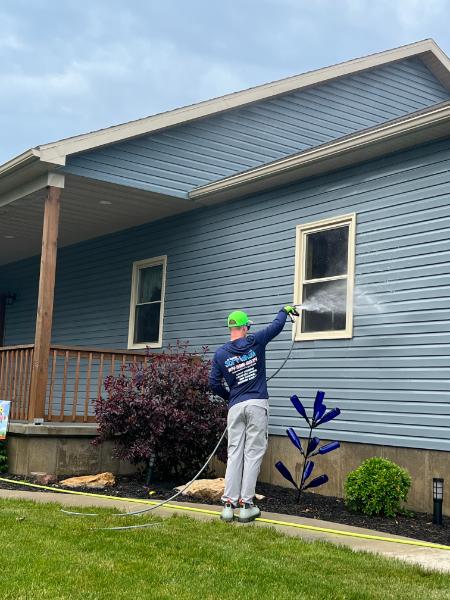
{"points": [[438, 495]]}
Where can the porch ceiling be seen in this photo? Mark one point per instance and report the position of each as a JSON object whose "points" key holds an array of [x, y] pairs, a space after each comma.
{"points": [[88, 209]]}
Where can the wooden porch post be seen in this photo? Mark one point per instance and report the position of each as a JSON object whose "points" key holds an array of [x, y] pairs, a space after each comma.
{"points": [[44, 315]]}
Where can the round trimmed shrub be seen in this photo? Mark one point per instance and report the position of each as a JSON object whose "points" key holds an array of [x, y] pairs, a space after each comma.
{"points": [[377, 487]]}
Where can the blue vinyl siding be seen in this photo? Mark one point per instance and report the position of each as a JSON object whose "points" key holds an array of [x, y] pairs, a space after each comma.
{"points": [[178, 159], [391, 380]]}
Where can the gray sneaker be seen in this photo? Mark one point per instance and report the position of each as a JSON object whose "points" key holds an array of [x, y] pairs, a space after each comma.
{"points": [[248, 512], [227, 514]]}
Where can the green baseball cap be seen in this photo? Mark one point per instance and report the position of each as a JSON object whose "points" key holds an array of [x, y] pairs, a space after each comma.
{"points": [[238, 318]]}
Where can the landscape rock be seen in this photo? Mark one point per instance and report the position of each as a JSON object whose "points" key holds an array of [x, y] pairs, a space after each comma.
{"points": [[97, 482], [208, 489], [43, 478], [46, 479]]}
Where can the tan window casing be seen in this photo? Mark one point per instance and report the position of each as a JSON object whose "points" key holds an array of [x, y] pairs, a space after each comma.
{"points": [[137, 266], [300, 255]]}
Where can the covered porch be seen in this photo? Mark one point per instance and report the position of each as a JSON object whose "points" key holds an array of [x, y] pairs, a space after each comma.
{"points": [[53, 386], [48, 382]]}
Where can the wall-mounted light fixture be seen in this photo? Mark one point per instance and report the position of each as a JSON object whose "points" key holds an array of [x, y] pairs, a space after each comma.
{"points": [[438, 495], [11, 297]]}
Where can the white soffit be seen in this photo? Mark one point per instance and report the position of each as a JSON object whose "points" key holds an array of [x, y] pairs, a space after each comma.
{"points": [[89, 209]]}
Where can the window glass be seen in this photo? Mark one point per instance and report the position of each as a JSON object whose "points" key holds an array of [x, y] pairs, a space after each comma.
{"points": [[326, 253], [150, 284], [146, 324], [325, 306]]}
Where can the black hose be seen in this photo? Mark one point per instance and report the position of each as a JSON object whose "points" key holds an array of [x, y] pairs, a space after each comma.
{"points": [[211, 456]]}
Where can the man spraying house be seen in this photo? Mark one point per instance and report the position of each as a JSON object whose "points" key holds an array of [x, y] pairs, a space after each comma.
{"points": [[241, 362]]}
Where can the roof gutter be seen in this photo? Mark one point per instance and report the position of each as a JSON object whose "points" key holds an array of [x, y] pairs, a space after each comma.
{"points": [[18, 162], [353, 149]]}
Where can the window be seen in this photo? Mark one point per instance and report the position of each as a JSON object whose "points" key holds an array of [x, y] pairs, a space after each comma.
{"points": [[324, 276], [147, 303]]}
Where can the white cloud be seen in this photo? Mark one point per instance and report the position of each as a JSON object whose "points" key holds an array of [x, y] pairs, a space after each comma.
{"points": [[11, 41], [46, 86], [219, 79], [11, 34], [407, 14], [415, 13]]}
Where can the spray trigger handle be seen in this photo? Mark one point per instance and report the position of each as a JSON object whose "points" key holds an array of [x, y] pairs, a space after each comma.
{"points": [[294, 313]]}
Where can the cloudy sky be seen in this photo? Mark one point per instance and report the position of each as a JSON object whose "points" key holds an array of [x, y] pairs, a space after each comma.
{"points": [[71, 66]]}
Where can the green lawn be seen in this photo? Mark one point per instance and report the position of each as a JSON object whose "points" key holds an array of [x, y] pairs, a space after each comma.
{"points": [[47, 554]]}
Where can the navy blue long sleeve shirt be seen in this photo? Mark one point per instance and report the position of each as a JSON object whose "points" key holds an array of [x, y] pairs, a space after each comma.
{"points": [[242, 364]]}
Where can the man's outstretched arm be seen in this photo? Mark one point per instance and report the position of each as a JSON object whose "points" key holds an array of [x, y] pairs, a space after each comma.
{"points": [[216, 381], [264, 336]]}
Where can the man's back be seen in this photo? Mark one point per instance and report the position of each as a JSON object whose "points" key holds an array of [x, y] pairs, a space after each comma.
{"points": [[242, 363]]}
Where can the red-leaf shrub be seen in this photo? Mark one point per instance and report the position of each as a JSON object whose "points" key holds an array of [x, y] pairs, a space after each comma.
{"points": [[163, 411]]}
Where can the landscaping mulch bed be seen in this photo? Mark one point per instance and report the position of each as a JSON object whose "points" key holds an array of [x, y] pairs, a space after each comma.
{"points": [[284, 501]]}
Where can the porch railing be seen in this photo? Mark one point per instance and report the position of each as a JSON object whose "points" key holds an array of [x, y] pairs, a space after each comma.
{"points": [[75, 379], [15, 377]]}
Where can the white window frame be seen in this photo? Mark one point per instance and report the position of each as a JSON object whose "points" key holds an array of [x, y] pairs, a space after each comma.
{"points": [[137, 266], [300, 255]]}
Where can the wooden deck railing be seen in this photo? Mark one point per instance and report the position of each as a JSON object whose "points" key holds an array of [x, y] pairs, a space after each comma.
{"points": [[75, 379], [15, 375]]}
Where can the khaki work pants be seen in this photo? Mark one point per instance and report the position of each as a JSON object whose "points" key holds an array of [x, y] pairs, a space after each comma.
{"points": [[247, 443]]}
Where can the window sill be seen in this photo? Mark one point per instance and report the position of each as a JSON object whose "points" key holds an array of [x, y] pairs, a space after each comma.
{"points": [[143, 346], [324, 335]]}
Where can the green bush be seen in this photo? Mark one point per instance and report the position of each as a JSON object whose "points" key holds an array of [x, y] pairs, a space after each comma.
{"points": [[3, 457], [377, 487]]}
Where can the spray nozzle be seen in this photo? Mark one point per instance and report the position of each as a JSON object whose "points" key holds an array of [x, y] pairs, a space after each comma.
{"points": [[294, 313]]}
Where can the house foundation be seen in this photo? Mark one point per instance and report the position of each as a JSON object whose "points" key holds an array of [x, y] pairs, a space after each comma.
{"points": [[64, 449], [422, 465], [67, 449]]}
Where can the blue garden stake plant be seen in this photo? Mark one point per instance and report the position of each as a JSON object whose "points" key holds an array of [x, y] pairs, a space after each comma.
{"points": [[312, 448]]}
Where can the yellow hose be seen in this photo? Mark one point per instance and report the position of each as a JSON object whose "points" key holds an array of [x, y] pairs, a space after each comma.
{"points": [[364, 536]]}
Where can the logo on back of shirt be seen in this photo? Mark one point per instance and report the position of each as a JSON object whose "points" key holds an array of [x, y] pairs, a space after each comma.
{"points": [[243, 367], [238, 359]]}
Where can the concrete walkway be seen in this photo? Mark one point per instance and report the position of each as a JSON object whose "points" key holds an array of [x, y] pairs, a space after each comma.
{"points": [[430, 558]]}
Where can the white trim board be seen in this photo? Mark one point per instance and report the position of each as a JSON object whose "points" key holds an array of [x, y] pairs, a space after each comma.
{"points": [[300, 280], [137, 265]]}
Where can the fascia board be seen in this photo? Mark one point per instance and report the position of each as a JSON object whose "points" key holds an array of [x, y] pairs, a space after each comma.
{"points": [[438, 63], [30, 187], [19, 161]]}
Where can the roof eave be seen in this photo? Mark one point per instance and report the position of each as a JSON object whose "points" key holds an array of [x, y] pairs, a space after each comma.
{"points": [[25, 174], [56, 152], [363, 146], [19, 162]]}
